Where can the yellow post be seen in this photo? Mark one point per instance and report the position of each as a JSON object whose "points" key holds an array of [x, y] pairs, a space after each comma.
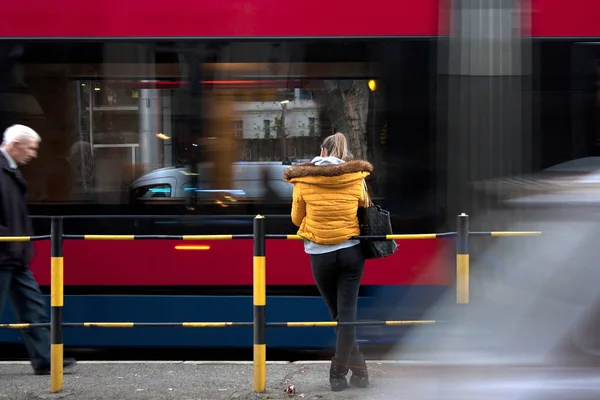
{"points": [[260, 301], [56, 307], [462, 260]]}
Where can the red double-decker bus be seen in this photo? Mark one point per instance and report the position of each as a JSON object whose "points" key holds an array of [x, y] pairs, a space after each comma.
{"points": [[192, 110]]}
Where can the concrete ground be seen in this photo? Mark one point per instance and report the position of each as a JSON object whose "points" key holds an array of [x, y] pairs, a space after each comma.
{"points": [[232, 380]]}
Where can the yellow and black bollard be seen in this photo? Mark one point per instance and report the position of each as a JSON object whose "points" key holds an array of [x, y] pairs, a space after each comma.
{"points": [[462, 259], [260, 301], [56, 303]]}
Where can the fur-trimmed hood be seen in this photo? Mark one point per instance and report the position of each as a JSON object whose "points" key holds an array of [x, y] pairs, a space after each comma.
{"points": [[329, 174]]}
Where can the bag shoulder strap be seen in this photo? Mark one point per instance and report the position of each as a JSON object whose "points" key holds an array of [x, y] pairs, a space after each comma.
{"points": [[368, 202]]}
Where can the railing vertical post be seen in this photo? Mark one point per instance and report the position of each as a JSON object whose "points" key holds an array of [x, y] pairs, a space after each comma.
{"points": [[56, 306], [260, 301], [462, 259]]}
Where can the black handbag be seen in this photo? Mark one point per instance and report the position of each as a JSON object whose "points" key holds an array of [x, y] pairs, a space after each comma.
{"points": [[375, 221]]}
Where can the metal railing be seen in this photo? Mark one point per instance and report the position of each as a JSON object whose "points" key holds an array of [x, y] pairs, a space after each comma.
{"points": [[259, 324]]}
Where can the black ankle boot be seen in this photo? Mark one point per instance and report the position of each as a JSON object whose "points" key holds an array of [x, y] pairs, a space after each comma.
{"points": [[337, 376], [360, 375]]}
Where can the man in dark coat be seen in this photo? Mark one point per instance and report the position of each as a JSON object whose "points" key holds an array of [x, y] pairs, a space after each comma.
{"points": [[19, 146]]}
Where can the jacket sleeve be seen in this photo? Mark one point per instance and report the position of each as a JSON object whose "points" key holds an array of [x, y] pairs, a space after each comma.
{"points": [[298, 206], [4, 231]]}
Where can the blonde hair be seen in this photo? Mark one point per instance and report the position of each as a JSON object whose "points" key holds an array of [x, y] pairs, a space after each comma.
{"points": [[336, 145]]}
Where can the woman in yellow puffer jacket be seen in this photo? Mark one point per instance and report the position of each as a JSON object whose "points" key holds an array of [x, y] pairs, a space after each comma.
{"points": [[327, 194]]}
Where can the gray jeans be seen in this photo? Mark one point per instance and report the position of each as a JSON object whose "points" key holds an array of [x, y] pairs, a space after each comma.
{"points": [[338, 275], [18, 284]]}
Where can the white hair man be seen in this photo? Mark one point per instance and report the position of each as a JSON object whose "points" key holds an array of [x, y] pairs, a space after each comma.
{"points": [[20, 143], [19, 146]]}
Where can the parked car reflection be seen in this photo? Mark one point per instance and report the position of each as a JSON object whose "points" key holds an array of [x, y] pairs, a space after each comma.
{"points": [[250, 182]]}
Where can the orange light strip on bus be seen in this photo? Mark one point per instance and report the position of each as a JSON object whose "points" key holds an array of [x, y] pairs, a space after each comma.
{"points": [[192, 247]]}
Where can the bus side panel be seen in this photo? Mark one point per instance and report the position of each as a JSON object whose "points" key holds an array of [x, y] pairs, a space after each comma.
{"points": [[159, 263], [178, 309]]}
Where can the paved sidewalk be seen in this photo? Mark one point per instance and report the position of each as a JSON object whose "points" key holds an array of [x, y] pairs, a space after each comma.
{"points": [[230, 380]]}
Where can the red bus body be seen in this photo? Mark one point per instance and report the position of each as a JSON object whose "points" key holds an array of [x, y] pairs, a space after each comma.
{"points": [[418, 263], [236, 18]]}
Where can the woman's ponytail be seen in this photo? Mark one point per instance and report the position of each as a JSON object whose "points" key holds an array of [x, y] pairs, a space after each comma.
{"points": [[336, 145]]}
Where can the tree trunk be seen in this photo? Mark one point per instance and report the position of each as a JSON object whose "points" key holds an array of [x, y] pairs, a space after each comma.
{"points": [[347, 105], [281, 133]]}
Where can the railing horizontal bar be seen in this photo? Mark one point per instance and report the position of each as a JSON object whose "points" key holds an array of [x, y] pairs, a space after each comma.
{"points": [[217, 324], [268, 236], [334, 323], [157, 324], [282, 236], [157, 237], [375, 237], [23, 238], [396, 237], [217, 237], [406, 237], [507, 233], [24, 326], [445, 234], [186, 217]]}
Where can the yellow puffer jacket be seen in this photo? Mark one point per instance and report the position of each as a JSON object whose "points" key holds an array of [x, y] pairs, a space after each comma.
{"points": [[326, 199]]}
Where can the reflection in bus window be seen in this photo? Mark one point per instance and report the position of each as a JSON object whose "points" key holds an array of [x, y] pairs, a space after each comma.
{"points": [[139, 126], [153, 191], [141, 121]]}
